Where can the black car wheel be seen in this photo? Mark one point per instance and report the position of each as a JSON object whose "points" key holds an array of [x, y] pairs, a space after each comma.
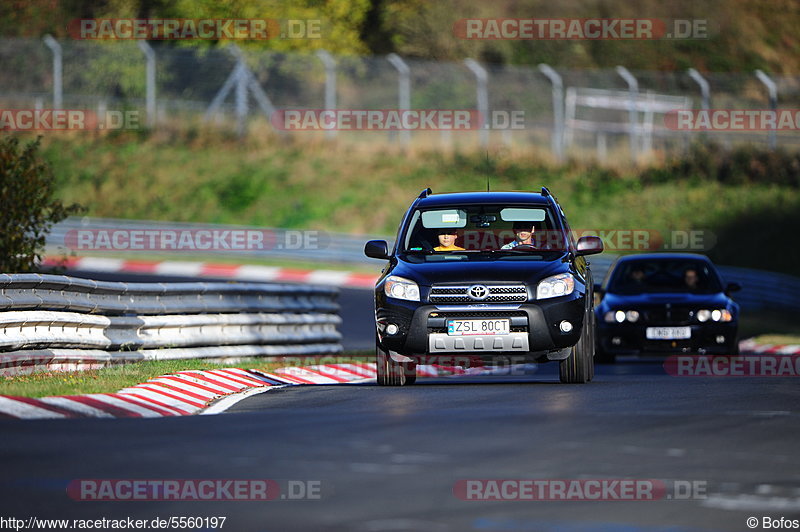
{"points": [[391, 372], [578, 368]]}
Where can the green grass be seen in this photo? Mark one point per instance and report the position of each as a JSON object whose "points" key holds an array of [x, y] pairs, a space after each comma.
{"points": [[115, 378]]}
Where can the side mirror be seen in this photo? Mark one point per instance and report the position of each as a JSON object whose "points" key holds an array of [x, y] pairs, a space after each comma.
{"points": [[590, 245], [377, 249], [732, 287]]}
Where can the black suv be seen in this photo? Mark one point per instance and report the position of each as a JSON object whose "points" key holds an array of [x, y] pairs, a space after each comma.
{"points": [[486, 277]]}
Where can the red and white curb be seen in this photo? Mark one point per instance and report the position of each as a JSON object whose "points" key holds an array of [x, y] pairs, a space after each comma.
{"points": [[239, 272], [751, 347], [190, 392]]}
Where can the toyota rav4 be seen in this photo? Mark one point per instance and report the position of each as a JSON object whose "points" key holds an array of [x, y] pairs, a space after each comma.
{"points": [[484, 278]]}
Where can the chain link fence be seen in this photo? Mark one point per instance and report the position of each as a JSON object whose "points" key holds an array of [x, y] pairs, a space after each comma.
{"points": [[605, 113]]}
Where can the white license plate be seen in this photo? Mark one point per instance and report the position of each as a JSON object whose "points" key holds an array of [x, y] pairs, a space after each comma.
{"points": [[668, 333], [473, 327]]}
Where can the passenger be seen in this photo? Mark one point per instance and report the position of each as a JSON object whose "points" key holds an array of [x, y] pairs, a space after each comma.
{"points": [[691, 279], [447, 241], [523, 235], [636, 277]]}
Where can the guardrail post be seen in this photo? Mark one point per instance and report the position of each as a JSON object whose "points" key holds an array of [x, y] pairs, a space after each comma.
{"points": [[633, 90], [705, 92], [150, 80], [330, 84], [558, 110], [772, 88], [482, 96], [55, 47], [403, 90]]}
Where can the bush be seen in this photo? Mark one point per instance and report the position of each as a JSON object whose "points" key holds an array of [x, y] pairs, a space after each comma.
{"points": [[27, 207]]}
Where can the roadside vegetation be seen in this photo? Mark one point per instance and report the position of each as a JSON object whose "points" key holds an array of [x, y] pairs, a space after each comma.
{"points": [[744, 202]]}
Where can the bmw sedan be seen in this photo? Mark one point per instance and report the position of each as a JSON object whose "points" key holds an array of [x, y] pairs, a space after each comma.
{"points": [[665, 303]]}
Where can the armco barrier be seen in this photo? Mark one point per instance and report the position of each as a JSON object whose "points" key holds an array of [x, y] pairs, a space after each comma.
{"points": [[60, 322]]}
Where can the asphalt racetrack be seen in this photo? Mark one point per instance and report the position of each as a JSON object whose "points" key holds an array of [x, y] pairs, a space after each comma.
{"points": [[366, 458]]}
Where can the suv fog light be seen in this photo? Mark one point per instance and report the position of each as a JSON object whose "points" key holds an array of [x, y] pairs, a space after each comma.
{"points": [[392, 329], [720, 339], [616, 340], [565, 326]]}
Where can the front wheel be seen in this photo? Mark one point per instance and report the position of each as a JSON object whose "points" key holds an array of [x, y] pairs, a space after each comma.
{"points": [[391, 372], [578, 367]]}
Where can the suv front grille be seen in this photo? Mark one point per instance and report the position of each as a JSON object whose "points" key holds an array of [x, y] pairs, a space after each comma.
{"points": [[497, 293]]}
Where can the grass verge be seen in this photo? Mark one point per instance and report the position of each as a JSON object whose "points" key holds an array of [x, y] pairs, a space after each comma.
{"points": [[115, 378]]}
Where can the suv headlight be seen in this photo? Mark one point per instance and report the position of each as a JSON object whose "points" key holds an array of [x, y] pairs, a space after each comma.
{"points": [[401, 288], [554, 286]]}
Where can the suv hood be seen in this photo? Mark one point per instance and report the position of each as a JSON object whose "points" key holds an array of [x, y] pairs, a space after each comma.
{"points": [[473, 271]]}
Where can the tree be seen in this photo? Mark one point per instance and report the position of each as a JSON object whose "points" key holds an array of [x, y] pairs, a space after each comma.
{"points": [[28, 208]]}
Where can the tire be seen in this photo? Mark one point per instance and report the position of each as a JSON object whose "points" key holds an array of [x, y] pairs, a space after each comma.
{"points": [[578, 368], [391, 372]]}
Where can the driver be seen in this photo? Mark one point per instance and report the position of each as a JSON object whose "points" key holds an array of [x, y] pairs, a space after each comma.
{"points": [[447, 240], [523, 235]]}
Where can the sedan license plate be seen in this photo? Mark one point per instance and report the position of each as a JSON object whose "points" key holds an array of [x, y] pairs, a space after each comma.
{"points": [[473, 327], [668, 333]]}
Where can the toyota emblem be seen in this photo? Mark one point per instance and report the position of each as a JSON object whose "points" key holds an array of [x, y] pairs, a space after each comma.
{"points": [[478, 292]]}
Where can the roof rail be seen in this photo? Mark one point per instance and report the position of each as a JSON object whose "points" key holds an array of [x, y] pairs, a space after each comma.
{"points": [[425, 193], [545, 192]]}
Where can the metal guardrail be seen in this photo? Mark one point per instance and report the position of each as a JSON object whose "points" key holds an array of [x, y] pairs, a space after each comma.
{"points": [[55, 320]]}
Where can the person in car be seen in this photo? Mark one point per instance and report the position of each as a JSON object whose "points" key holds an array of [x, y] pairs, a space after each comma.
{"points": [[691, 279], [447, 241], [523, 235], [637, 277]]}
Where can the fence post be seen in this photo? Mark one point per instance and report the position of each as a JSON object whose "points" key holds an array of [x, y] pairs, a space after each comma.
{"points": [[633, 90], [51, 43], [403, 90], [558, 110], [330, 84], [482, 95], [150, 79], [705, 91], [772, 88]]}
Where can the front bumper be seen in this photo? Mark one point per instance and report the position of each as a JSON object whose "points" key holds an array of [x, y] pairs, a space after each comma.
{"points": [[422, 327], [631, 339]]}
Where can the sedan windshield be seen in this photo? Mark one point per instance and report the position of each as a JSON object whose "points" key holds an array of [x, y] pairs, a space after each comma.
{"points": [[664, 275]]}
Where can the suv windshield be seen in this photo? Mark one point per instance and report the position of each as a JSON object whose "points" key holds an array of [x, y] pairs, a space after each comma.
{"points": [[484, 232], [660, 275]]}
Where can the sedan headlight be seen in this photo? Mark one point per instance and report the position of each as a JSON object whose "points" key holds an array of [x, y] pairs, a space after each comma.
{"points": [[557, 285], [721, 314], [401, 288], [620, 316]]}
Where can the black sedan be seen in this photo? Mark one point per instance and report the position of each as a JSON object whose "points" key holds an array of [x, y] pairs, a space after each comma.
{"points": [[665, 303]]}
